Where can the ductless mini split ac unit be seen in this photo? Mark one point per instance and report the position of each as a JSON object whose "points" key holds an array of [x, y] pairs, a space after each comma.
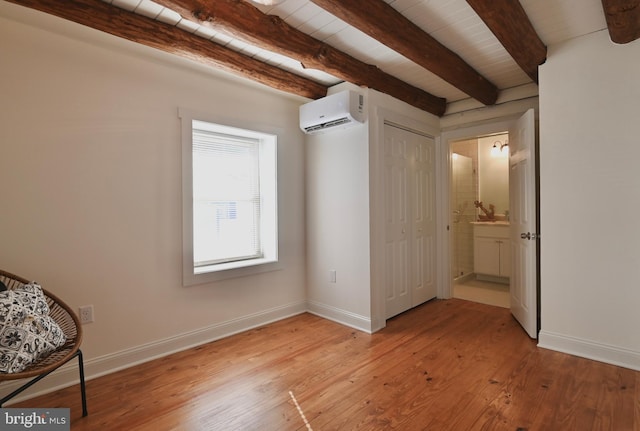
{"points": [[338, 111]]}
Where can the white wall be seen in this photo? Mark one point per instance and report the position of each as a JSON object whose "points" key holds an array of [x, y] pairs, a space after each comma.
{"points": [[590, 198], [337, 172], [90, 186], [338, 225]]}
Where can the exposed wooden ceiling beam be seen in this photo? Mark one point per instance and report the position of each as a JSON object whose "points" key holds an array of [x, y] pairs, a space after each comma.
{"points": [[171, 39], [508, 21], [385, 24], [623, 19], [244, 21]]}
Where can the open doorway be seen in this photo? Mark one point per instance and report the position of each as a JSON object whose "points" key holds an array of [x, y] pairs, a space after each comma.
{"points": [[479, 205], [520, 241]]}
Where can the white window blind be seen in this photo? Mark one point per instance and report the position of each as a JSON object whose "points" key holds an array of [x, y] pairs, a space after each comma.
{"points": [[226, 198], [229, 200]]}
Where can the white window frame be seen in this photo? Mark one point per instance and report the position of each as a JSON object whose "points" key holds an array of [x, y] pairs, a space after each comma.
{"points": [[269, 217]]}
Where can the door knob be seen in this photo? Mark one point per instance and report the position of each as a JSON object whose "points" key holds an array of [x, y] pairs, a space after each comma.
{"points": [[525, 235]]}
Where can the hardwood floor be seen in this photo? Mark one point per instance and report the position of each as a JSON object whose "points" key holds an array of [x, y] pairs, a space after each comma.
{"points": [[446, 365]]}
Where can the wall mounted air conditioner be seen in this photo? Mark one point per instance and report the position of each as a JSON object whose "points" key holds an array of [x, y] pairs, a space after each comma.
{"points": [[338, 111]]}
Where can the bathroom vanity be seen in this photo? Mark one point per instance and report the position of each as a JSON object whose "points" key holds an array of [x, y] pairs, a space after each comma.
{"points": [[491, 251]]}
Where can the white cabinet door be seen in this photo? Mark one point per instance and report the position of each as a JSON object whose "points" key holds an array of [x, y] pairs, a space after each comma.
{"points": [[486, 256], [491, 250]]}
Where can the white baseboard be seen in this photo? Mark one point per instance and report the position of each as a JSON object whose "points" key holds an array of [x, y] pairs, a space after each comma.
{"points": [[67, 375], [591, 350], [338, 315]]}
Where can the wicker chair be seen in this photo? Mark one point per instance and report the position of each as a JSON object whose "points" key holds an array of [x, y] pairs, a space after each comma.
{"points": [[70, 325]]}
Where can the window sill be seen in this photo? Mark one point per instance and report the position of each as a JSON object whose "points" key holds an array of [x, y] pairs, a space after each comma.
{"points": [[229, 270]]}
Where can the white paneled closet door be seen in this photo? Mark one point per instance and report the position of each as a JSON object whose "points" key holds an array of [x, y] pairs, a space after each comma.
{"points": [[409, 179], [424, 211]]}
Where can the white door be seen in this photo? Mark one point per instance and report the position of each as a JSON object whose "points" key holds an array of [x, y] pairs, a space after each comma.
{"points": [[424, 217], [522, 203], [409, 180], [396, 182]]}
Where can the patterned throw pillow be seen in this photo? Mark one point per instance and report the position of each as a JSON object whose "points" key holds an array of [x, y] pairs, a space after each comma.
{"points": [[27, 332]]}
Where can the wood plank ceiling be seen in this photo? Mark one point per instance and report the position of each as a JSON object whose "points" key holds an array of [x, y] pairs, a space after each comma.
{"points": [[427, 53]]}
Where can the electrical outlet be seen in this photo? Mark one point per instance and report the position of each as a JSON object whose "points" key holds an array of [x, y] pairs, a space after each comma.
{"points": [[86, 314], [332, 276]]}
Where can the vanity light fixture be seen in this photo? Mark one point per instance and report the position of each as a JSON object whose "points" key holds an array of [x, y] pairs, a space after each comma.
{"points": [[500, 148]]}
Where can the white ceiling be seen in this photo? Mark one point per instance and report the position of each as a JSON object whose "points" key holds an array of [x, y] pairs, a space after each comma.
{"points": [[452, 22]]}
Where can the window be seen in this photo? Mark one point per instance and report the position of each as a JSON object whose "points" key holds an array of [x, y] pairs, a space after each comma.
{"points": [[229, 200]]}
